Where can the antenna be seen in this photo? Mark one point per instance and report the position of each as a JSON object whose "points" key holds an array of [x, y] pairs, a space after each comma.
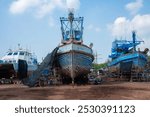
{"points": [[19, 47]]}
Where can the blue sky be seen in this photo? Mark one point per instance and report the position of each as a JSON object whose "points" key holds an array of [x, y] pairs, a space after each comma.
{"points": [[34, 24]]}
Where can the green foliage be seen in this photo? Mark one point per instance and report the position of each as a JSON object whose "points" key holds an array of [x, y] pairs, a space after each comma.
{"points": [[99, 66], [149, 58]]}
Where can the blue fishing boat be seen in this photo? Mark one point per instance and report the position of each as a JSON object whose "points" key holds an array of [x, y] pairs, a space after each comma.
{"points": [[126, 57], [74, 58]]}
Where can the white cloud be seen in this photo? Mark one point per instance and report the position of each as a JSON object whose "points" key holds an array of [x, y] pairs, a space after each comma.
{"points": [[20, 6], [42, 7], [73, 4], [134, 7], [122, 27], [48, 6], [93, 28]]}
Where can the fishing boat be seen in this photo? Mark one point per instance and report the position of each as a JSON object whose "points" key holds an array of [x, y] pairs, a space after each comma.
{"points": [[125, 57], [74, 58], [17, 64]]}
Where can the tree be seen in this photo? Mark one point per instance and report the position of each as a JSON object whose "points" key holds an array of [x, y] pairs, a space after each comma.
{"points": [[99, 66]]}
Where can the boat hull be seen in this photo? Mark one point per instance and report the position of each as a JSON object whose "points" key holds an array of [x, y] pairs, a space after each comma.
{"points": [[75, 61], [126, 62], [17, 70]]}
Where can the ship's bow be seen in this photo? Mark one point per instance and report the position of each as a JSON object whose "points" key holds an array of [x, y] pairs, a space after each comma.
{"points": [[75, 60]]}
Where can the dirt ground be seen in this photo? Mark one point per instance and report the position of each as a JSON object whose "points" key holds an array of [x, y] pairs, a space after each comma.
{"points": [[105, 91]]}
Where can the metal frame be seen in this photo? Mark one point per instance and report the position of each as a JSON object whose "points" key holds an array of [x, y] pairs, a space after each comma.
{"points": [[71, 25]]}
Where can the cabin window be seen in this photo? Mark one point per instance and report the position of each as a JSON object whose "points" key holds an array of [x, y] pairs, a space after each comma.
{"points": [[77, 35], [21, 53], [16, 53], [10, 53], [14, 61], [27, 54]]}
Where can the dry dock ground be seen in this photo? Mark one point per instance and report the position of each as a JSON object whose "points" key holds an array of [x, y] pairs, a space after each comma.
{"points": [[105, 91]]}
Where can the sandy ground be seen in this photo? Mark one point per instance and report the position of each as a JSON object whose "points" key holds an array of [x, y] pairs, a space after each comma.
{"points": [[105, 91]]}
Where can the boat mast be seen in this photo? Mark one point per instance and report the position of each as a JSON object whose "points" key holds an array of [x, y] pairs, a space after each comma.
{"points": [[71, 18], [134, 40]]}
